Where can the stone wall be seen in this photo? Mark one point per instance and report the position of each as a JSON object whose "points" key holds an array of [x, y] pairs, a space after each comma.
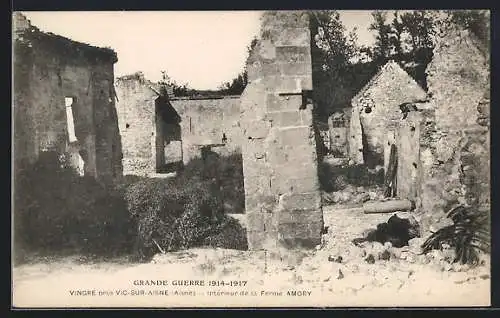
{"points": [[338, 134], [202, 122], [136, 118], [48, 69], [206, 122], [282, 197], [378, 107], [454, 164]]}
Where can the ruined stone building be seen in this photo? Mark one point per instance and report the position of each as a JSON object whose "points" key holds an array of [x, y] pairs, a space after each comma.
{"points": [[149, 126], [211, 122], [460, 139], [159, 132], [282, 197], [337, 134], [443, 151], [64, 101], [376, 111]]}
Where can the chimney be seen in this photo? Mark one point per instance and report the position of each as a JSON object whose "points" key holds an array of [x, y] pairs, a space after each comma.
{"points": [[19, 23]]}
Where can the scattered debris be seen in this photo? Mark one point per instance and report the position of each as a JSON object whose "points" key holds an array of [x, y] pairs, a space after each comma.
{"points": [[398, 231], [386, 255], [370, 259], [341, 275]]}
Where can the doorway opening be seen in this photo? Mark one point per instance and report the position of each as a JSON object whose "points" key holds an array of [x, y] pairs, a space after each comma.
{"points": [[168, 142]]}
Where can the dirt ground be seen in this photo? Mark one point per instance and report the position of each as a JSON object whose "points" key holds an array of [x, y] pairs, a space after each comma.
{"points": [[231, 278]]}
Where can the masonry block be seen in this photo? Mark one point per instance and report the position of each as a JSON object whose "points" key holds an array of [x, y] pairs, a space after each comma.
{"points": [[295, 69], [289, 144], [293, 54], [309, 215], [262, 240], [289, 84], [293, 37], [255, 129], [290, 135], [280, 185], [283, 103], [257, 185], [300, 230], [285, 118], [306, 116], [300, 201]]}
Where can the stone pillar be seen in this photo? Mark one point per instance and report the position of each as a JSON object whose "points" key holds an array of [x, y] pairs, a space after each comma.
{"points": [[282, 197]]}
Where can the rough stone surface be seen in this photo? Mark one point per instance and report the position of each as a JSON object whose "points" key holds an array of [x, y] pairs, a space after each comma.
{"points": [[278, 143], [136, 118], [454, 164], [206, 122], [47, 69], [150, 140], [377, 105]]}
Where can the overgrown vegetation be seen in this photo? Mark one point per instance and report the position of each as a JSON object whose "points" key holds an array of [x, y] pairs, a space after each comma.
{"points": [[469, 234], [56, 210], [227, 172], [192, 214], [341, 66]]}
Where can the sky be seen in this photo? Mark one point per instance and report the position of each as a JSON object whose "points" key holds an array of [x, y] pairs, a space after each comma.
{"points": [[201, 48]]}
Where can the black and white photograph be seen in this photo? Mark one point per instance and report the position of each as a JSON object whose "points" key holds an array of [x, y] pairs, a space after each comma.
{"points": [[251, 159]]}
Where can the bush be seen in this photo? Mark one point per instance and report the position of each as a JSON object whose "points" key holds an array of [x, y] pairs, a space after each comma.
{"points": [[55, 209], [469, 234], [227, 171], [179, 213]]}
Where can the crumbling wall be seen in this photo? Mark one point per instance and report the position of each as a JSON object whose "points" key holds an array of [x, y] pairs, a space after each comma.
{"points": [[412, 138], [455, 163], [282, 197], [378, 107], [47, 69], [338, 134], [206, 122], [136, 118]]}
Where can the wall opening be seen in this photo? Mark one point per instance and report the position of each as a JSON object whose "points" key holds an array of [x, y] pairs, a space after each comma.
{"points": [[69, 102], [168, 141], [73, 148]]}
